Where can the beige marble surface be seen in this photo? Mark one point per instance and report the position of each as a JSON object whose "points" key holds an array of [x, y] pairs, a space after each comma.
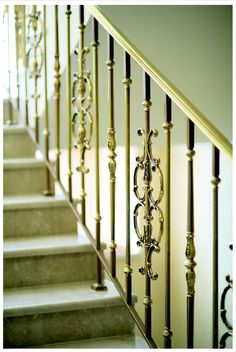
{"points": [[28, 216]]}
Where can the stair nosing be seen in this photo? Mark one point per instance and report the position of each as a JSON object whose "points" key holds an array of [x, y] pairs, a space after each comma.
{"points": [[91, 299], [50, 249], [33, 202], [22, 163]]}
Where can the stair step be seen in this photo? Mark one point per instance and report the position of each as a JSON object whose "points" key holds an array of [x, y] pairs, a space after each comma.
{"points": [[17, 142], [31, 261], [60, 313], [37, 215], [120, 341], [24, 176]]}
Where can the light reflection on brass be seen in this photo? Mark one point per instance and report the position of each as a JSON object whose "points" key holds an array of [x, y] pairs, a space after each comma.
{"points": [[35, 54], [82, 122], [190, 246], [147, 165], [68, 101], [57, 85]]}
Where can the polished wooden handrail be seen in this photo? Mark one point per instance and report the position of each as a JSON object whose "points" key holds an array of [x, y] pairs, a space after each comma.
{"points": [[199, 119]]}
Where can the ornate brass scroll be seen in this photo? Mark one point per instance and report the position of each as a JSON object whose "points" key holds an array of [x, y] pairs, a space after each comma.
{"points": [[82, 122], [223, 311], [35, 55], [147, 164]]}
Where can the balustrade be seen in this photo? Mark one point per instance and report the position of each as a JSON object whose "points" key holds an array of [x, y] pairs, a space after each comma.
{"points": [[151, 176]]}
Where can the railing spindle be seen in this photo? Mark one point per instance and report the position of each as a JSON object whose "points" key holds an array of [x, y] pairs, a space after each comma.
{"points": [[57, 86], [48, 191], [82, 148], [112, 154], [127, 82], [190, 247], [147, 301], [215, 181], [17, 54], [167, 333], [68, 13], [99, 285], [26, 73], [147, 164], [10, 121], [36, 56]]}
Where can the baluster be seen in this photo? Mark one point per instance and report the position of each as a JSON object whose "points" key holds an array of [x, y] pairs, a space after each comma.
{"points": [[128, 270], [57, 86], [48, 191], [190, 247], [99, 285], [26, 59], [215, 181], [17, 26], [112, 154], [10, 121], [167, 333], [147, 184], [36, 56], [147, 164], [68, 102], [82, 118]]}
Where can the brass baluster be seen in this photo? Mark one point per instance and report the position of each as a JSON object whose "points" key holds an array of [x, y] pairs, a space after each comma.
{"points": [[128, 270], [10, 121], [57, 86], [190, 247], [112, 154], [167, 333], [48, 191], [26, 59], [68, 102], [82, 117], [148, 164], [36, 53], [99, 285], [215, 181], [17, 26]]}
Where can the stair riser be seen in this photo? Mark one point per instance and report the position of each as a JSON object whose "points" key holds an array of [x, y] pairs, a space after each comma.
{"points": [[25, 181], [18, 146], [39, 221], [49, 269], [35, 330]]}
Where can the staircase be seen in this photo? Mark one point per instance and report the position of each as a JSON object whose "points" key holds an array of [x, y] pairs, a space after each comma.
{"points": [[48, 268]]}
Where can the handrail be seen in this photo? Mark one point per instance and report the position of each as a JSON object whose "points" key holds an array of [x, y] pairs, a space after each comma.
{"points": [[200, 120]]}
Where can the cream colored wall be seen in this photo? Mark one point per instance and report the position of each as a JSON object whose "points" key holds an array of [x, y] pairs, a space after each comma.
{"points": [[191, 45]]}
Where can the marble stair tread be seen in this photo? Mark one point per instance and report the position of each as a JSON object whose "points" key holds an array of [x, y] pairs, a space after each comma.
{"points": [[33, 201], [119, 341], [22, 163], [27, 246], [58, 298]]}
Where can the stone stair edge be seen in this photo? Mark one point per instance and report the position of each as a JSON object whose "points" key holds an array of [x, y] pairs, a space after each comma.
{"points": [[111, 342], [34, 202], [47, 245], [22, 163], [64, 297]]}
